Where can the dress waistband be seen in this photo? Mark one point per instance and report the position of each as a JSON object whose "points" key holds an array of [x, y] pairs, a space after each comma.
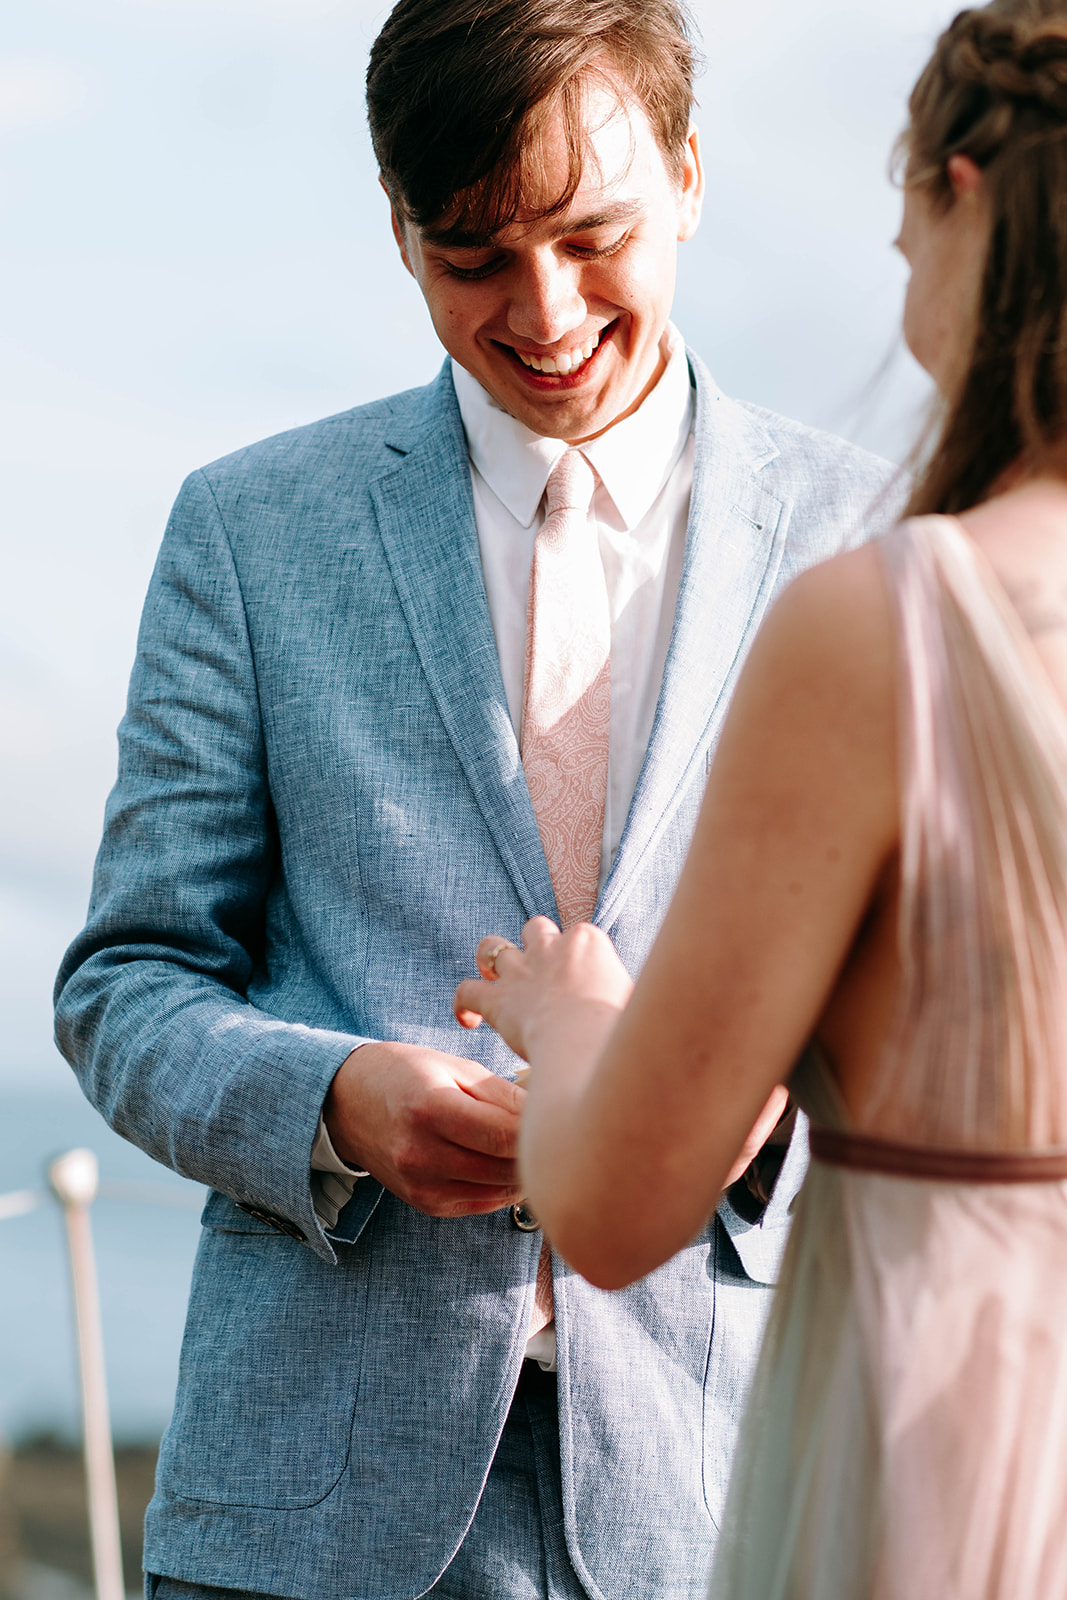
{"points": [[865, 1154]]}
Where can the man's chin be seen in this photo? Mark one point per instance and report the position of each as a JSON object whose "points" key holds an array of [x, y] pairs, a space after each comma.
{"points": [[572, 414]]}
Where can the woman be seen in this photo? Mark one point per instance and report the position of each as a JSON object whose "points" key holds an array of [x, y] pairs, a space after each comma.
{"points": [[879, 872]]}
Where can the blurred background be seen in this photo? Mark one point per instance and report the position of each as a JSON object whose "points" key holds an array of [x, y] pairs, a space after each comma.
{"points": [[195, 253]]}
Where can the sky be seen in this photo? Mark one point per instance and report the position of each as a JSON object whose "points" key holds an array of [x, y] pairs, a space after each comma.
{"points": [[194, 253]]}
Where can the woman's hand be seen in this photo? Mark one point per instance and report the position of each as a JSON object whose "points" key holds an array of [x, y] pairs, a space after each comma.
{"points": [[527, 994]]}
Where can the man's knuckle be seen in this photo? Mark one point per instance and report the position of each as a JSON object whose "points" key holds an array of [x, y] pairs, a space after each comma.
{"points": [[420, 1116], [408, 1161]]}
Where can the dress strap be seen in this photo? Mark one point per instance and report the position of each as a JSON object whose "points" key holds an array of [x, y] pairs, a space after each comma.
{"points": [[865, 1154]]}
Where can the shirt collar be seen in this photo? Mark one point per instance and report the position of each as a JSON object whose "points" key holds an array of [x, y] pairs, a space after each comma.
{"points": [[633, 459]]}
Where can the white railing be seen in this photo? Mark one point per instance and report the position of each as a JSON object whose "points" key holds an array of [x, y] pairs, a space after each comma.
{"points": [[74, 1180]]}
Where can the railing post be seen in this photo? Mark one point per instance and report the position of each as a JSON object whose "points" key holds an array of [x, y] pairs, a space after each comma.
{"points": [[74, 1178]]}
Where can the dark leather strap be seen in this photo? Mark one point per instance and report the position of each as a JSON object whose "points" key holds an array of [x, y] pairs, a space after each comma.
{"points": [[862, 1153]]}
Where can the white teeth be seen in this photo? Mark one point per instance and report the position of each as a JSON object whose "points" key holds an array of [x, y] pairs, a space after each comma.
{"points": [[566, 362]]}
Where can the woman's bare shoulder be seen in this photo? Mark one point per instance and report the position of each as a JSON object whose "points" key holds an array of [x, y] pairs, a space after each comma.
{"points": [[1023, 536], [815, 710], [853, 576], [833, 626]]}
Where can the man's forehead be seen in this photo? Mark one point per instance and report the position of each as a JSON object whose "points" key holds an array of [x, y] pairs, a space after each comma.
{"points": [[457, 236], [565, 180]]}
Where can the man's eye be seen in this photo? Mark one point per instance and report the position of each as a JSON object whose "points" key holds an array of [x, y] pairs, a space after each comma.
{"points": [[600, 252], [469, 273]]}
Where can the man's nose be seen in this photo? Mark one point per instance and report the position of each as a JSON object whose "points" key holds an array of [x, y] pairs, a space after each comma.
{"points": [[546, 302]]}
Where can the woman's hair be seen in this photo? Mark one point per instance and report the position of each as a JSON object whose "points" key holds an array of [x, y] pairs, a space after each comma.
{"points": [[459, 90], [996, 91]]}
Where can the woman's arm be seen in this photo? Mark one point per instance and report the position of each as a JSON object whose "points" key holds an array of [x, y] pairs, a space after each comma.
{"points": [[639, 1105]]}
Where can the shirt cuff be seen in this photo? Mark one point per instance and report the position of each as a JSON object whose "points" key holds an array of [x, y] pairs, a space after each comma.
{"points": [[333, 1181]]}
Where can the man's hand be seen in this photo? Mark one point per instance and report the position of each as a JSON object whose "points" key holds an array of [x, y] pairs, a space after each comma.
{"points": [[439, 1132], [762, 1129]]}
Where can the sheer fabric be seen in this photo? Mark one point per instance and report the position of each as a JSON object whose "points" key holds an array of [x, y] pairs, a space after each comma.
{"points": [[907, 1433]]}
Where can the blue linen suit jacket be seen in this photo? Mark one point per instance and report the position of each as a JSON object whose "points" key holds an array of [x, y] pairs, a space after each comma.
{"points": [[320, 808]]}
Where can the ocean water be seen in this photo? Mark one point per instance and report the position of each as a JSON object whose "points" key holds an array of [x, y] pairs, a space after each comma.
{"points": [[145, 1228]]}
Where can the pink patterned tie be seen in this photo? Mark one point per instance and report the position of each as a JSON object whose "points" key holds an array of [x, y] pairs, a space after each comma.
{"points": [[566, 709], [566, 714]]}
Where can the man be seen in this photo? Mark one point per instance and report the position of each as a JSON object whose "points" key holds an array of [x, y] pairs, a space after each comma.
{"points": [[413, 673]]}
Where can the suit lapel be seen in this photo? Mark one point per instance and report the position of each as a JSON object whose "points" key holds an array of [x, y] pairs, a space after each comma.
{"points": [[733, 551], [426, 519]]}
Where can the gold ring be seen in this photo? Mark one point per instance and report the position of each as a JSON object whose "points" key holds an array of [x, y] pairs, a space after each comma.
{"points": [[489, 961]]}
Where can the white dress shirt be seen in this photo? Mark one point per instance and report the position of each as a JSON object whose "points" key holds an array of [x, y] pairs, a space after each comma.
{"points": [[640, 509]]}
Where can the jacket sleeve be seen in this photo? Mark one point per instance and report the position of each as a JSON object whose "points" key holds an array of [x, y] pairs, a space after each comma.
{"points": [[151, 1000]]}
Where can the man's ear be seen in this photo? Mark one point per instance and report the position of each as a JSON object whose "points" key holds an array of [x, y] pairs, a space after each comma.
{"points": [[399, 233], [692, 197]]}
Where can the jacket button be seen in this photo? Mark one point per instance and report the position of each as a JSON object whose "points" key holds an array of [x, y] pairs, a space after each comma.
{"points": [[284, 1226], [523, 1218], [279, 1224]]}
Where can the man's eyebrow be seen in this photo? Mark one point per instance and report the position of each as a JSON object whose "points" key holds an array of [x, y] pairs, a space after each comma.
{"points": [[623, 211], [459, 238], [456, 238]]}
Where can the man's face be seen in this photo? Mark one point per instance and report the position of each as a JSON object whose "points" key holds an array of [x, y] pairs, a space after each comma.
{"points": [[560, 317]]}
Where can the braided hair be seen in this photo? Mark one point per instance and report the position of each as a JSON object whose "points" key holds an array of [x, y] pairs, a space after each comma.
{"points": [[996, 91]]}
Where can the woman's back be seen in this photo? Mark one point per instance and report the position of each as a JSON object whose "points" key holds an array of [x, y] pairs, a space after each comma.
{"points": [[948, 1020], [908, 1430]]}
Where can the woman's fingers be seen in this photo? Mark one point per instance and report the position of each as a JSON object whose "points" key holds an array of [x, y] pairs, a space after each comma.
{"points": [[538, 933], [497, 959], [490, 950], [496, 1003], [471, 998]]}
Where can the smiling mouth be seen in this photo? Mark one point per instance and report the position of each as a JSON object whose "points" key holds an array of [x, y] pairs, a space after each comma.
{"points": [[566, 364]]}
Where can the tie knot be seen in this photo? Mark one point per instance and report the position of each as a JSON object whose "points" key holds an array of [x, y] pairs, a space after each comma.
{"points": [[570, 484]]}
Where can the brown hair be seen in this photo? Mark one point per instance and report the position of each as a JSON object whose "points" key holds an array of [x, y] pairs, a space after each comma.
{"points": [[458, 91], [996, 91]]}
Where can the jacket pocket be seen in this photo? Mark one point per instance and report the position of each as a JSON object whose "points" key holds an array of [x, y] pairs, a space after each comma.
{"points": [[742, 1304], [270, 1368]]}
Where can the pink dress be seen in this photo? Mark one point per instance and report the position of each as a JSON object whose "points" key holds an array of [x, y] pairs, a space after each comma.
{"points": [[907, 1433]]}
